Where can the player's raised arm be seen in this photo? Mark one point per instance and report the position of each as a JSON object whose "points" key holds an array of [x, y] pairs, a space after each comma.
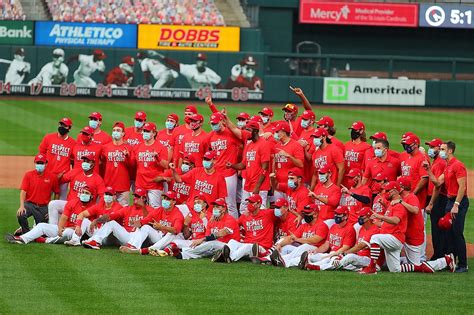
{"points": [[304, 100]]}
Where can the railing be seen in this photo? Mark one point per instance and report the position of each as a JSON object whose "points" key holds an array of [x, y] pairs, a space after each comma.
{"points": [[388, 66]]}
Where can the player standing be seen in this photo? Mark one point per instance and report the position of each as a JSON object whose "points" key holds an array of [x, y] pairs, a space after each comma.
{"points": [[88, 64]]}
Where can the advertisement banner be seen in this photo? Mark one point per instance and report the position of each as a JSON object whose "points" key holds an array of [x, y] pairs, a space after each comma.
{"points": [[446, 15], [359, 13], [63, 34], [374, 91], [16, 32], [202, 38]]}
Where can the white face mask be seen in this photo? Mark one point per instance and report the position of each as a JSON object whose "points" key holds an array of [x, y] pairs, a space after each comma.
{"points": [[265, 119], [108, 198], [116, 135], [373, 144], [443, 155], [323, 178]]}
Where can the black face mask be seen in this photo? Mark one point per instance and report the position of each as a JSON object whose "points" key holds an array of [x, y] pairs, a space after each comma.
{"points": [[62, 130], [255, 134], [408, 148], [308, 218], [354, 134]]}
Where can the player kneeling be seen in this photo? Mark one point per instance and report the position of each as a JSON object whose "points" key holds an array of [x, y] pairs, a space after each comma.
{"points": [[65, 228]]}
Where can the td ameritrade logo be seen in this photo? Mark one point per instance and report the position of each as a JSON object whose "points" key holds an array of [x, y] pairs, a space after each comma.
{"points": [[337, 90]]}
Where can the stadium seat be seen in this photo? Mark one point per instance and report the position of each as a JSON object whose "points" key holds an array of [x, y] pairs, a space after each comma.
{"points": [[11, 10]]}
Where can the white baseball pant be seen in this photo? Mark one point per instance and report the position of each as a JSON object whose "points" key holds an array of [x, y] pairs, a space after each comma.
{"points": [[111, 227], [55, 209], [85, 230], [239, 190], [324, 263], [183, 243], [438, 264], [239, 250], [154, 198], [423, 246], [330, 222], [231, 199], [413, 253], [246, 194], [158, 238], [83, 81], [123, 198], [392, 247], [292, 259], [50, 230], [354, 262], [206, 249], [63, 191]]}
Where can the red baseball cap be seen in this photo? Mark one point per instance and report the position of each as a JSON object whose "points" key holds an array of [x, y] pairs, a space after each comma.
{"points": [[201, 56], [411, 139], [243, 116], [140, 115], [173, 116], [380, 176], [404, 181], [310, 208], [295, 171], [189, 157], [341, 210], [354, 172], [365, 211], [140, 192], [170, 195], [88, 158], [257, 119], [96, 115], [436, 142], [129, 60], [41, 158], [149, 126], [109, 190], [319, 132], [93, 191], [325, 120], [406, 134], [209, 155], [358, 125], [197, 117], [283, 125], [87, 130], [324, 169], [267, 111], [220, 202], [120, 125], [281, 202], [379, 135], [252, 125], [99, 53], [191, 108], [66, 121], [308, 115], [446, 222], [215, 118], [290, 108], [391, 185], [202, 197], [254, 198]]}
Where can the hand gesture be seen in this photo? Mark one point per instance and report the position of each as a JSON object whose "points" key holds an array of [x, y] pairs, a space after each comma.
{"points": [[92, 226], [272, 175], [172, 166], [157, 226], [428, 208], [303, 143], [136, 224], [426, 165], [312, 195], [344, 190], [125, 152], [208, 100], [78, 231], [454, 211], [297, 91]]}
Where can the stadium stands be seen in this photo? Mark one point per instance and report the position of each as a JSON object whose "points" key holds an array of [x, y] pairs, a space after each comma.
{"points": [[11, 10], [178, 12]]}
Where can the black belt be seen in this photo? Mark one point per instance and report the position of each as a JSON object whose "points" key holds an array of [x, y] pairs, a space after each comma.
{"points": [[38, 205]]}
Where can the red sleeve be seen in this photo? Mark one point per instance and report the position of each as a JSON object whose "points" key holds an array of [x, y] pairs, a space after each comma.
{"points": [[337, 156], [349, 237], [178, 223], [55, 186], [299, 230], [189, 176], [213, 108], [334, 197], [266, 152], [94, 210], [298, 152], [69, 175], [399, 211], [68, 209], [100, 186], [154, 215], [322, 230], [25, 182], [43, 147], [460, 171], [114, 216], [367, 170]]}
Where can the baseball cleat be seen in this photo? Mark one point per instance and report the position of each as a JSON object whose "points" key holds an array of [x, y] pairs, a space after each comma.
{"points": [[218, 256], [72, 242], [18, 232], [52, 240], [426, 268], [154, 252], [255, 250], [450, 261], [368, 270], [129, 249], [226, 254], [91, 244], [10, 238], [303, 261], [276, 259]]}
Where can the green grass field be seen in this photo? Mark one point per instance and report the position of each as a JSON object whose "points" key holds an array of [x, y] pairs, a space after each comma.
{"points": [[54, 279]]}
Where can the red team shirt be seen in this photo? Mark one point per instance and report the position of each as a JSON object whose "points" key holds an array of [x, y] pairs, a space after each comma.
{"points": [[58, 151], [38, 187], [211, 185], [298, 198], [91, 150], [353, 204], [330, 155], [333, 192], [411, 166], [415, 234], [399, 229], [254, 155], [148, 164], [117, 166], [226, 222], [198, 225], [196, 146], [99, 209], [364, 237], [227, 147], [307, 230], [282, 163], [165, 138], [285, 227], [72, 209], [132, 137], [354, 156], [127, 216], [390, 168], [258, 228], [340, 236], [182, 189], [437, 168], [101, 137], [78, 180], [454, 170], [337, 143], [172, 218]]}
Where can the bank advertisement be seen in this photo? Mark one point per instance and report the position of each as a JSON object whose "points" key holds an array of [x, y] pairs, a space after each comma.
{"points": [[16, 32]]}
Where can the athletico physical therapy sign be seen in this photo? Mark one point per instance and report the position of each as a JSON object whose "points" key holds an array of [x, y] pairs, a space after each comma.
{"points": [[359, 13], [202, 38], [374, 91]]}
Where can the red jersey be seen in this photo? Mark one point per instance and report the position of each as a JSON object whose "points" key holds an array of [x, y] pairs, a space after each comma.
{"points": [[354, 156], [364, 237], [308, 167], [117, 77], [195, 145], [116, 166], [197, 226], [411, 166], [132, 137], [318, 229], [91, 150], [353, 204], [333, 193], [341, 236], [282, 163], [337, 143], [38, 187], [227, 147], [78, 180], [258, 228], [99, 209], [172, 218], [397, 230], [390, 168], [58, 151], [211, 185], [226, 222], [72, 209], [147, 159], [415, 234], [379, 204], [182, 189], [179, 133], [127, 216], [454, 170], [256, 153], [330, 155], [285, 227], [165, 138], [100, 137], [370, 155], [437, 168], [297, 198]]}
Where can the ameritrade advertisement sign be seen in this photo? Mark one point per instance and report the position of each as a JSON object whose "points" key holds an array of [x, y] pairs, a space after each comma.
{"points": [[201, 38], [86, 35], [446, 15], [359, 13], [374, 91], [16, 32]]}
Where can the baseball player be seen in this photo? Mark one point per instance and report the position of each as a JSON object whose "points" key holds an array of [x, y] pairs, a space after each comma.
{"points": [[446, 262], [121, 223], [88, 64], [54, 72], [36, 189], [182, 130], [326, 195], [354, 150], [290, 116], [288, 222], [392, 232], [122, 75], [116, 155], [166, 136], [57, 147], [370, 154], [242, 120], [64, 229], [194, 142], [356, 196], [95, 122], [244, 75], [306, 141], [164, 76], [384, 163], [299, 92], [85, 146], [326, 153], [150, 158], [18, 69], [327, 123], [295, 190], [267, 115], [161, 226], [133, 135]]}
